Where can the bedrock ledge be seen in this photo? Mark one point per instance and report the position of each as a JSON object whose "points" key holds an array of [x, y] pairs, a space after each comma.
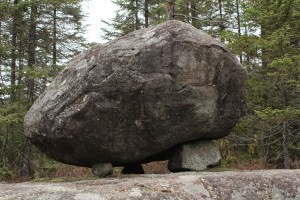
{"points": [[263, 184]]}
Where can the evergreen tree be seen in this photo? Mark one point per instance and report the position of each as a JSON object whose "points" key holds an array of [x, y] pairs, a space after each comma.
{"points": [[127, 19], [133, 15], [156, 11], [272, 60], [280, 59], [36, 38]]}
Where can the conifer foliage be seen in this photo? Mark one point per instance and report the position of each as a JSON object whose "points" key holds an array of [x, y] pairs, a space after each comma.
{"points": [[36, 38], [264, 35]]}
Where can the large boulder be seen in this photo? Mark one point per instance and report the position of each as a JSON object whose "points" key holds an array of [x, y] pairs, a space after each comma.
{"points": [[138, 96]]}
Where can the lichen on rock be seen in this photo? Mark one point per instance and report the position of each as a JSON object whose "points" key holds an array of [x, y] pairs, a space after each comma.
{"points": [[139, 96], [235, 185]]}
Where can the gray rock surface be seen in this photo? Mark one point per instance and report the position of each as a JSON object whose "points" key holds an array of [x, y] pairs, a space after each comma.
{"points": [[102, 169], [138, 96], [258, 185], [195, 156]]}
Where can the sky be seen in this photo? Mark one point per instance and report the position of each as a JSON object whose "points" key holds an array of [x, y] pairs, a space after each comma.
{"points": [[97, 10]]}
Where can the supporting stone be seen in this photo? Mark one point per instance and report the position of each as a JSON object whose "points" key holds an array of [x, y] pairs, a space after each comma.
{"points": [[133, 168], [102, 169], [195, 156]]}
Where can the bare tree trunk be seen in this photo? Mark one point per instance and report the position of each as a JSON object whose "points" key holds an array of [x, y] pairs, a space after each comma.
{"points": [[1, 81], [188, 12], [222, 28], [263, 30], [54, 50], [26, 151], [32, 51], [13, 66], [285, 146], [146, 14], [136, 15], [193, 13], [26, 170], [4, 149], [170, 9], [22, 47], [247, 55], [239, 25]]}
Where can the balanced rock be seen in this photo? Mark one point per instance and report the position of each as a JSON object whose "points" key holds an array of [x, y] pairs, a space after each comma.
{"points": [[138, 96]]}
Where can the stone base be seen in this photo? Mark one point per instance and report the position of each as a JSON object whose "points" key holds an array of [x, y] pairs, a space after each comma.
{"points": [[235, 185], [102, 169], [195, 156]]}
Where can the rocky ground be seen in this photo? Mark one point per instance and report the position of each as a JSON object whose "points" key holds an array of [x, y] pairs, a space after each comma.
{"points": [[267, 184]]}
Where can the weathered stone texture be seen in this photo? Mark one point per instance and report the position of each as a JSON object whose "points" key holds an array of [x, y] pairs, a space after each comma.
{"points": [[258, 185], [138, 96], [195, 156], [102, 169]]}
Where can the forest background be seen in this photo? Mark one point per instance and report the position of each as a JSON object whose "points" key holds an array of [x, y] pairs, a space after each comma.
{"points": [[37, 38]]}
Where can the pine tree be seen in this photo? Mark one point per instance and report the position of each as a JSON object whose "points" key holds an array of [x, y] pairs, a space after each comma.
{"points": [[36, 39], [133, 15], [272, 59], [157, 11], [127, 19]]}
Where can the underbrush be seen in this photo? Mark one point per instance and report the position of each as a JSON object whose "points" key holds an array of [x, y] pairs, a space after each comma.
{"points": [[253, 164], [6, 174], [60, 173]]}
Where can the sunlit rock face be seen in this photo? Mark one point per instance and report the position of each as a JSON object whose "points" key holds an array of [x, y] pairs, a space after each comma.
{"points": [[138, 96]]}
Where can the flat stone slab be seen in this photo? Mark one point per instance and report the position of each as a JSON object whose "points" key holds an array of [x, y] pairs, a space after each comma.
{"points": [[265, 184]]}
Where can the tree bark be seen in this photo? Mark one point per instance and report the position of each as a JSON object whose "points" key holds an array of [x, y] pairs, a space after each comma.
{"points": [[14, 31], [188, 12], [32, 51], [54, 50], [285, 146], [146, 14], [136, 15], [263, 30], [170, 9], [239, 25], [221, 26], [26, 170], [1, 80], [193, 13], [26, 151]]}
